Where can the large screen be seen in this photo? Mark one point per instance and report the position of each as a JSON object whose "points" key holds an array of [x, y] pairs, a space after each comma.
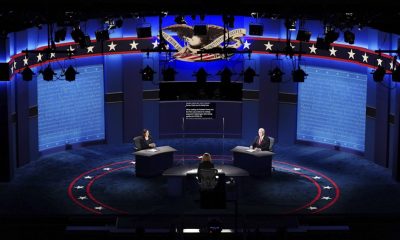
{"points": [[71, 112], [331, 108]]}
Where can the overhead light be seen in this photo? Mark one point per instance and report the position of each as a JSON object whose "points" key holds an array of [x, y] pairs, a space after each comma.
{"points": [[201, 75], [226, 74], [249, 75], [290, 24], [330, 34], [84, 42], [102, 35], [322, 44], [27, 74], [299, 75], [147, 73], [379, 74], [229, 20], [48, 73], [70, 74], [60, 34], [180, 19], [349, 37], [303, 35], [119, 22], [169, 74], [276, 75], [77, 34], [256, 29], [144, 31]]}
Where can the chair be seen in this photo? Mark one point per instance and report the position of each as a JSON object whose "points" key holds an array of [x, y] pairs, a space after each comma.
{"points": [[271, 144], [212, 189], [208, 179], [136, 142]]}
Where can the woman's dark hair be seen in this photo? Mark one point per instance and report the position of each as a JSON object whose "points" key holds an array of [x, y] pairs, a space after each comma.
{"points": [[144, 132]]}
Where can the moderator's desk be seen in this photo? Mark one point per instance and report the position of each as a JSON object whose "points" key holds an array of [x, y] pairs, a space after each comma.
{"points": [[176, 176], [257, 163], [152, 163]]}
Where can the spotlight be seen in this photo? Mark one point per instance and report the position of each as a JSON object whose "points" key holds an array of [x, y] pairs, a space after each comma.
{"points": [[27, 74], [84, 42], [60, 34], [143, 32], [48, 73], [102, 35], [322, 44], [180, 19], [77, 35], [147, 73], [299, 75], [331, 36], [396, 75], [379, 74], [226, 75], [303, 35], [249, 75], [290, 24], [70, 74], [201, 76], [256, 29], [119, 23], [200, 30], [276, 75], [229, 20], [169, 74], [349, 37]]}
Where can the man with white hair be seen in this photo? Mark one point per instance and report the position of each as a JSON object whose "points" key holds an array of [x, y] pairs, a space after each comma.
{"points": [[261, 142]]}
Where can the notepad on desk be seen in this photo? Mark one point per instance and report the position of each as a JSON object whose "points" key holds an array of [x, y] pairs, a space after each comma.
{"points": [[152, 150], [250, 150]]}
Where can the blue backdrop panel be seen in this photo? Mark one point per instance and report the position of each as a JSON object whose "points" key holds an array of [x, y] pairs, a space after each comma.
{"points": [[71, 112], [331, 108]]}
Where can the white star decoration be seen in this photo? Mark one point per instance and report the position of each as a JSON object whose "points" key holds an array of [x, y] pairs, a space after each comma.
{"points": [[39, 57], [52, 55], [99, 208], [351, 54], [12, 69], [71, 49], [88, 177], [332, 51], [15, 65], [292, 45], [327, 187], [312, 208], [112, 46], [246, 45], [365, 57], [297, 169], [82, 198], [133, 45], [316, 177], [107, 169], [379, 61], [25, 61], [155, 44], [313, 49], [133, 162], [326, 198], [391, 65], [79, 187], [268, 46], [90, 49]]}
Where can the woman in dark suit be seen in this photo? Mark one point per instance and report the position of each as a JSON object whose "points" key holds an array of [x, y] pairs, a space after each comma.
{"points": [[205, 162], [261, 142], [146, 141]]}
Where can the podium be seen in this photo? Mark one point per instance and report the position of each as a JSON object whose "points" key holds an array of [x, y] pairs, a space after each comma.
{"points": [[153, 162], [257, 163]]}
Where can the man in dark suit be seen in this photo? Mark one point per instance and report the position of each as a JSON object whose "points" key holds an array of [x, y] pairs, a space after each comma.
{"points": [[261, 142]]}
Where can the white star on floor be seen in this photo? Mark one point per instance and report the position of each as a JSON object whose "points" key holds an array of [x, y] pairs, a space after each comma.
{"points": [[52, 55], [312, 208], [25, 61], [39, 57], [112, 46], [99, 208], [297, 169], [268, 46], [107, 169], [351, 54], [326, 198], [79, 187], [133, 45], [365, 57], [332, 51], [90, 49], [246, 45], [88, 177], [155, 44], [316, 177], [82, 198], [379, 61], [327, 187], [313, 49], [133, 162]]}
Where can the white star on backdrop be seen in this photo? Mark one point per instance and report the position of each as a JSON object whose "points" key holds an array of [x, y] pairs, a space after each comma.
{"points": [[52, 55], [292, 45], [332, 51], [379, 61], [313, 49], [71, 49], [365, 57], [15, 65], [25, 61], [39, 57], [90, 49], [351, 54], [155, 44], [12, 69], [133, 45], [268, 46], [391, 65], [112, 46], [246, 45]]}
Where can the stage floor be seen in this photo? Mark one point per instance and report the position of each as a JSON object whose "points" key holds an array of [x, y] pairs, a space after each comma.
{"points": [[100, 180]]}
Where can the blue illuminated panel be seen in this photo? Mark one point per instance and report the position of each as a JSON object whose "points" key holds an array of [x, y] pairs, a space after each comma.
{"points": [[71, 112], [331, 108]]}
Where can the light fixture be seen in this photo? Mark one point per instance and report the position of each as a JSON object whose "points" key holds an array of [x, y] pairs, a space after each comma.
{"points": [[200, 30], [48, 73], [102, 35], [229, 20], [330, 34], [379, 74], [27, 74], [249, 75], [322, 44], [60, 34], [144, 31], [299, 75], [77, 34], [303, 35], [290, 24], [147, 73], [349, 37], [70, 74], [169, 74], [180, 19], [276, 75], [226, 74], [201, 75], [256, 29]]}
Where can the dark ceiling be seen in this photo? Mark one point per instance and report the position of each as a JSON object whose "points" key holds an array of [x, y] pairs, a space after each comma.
{"points": [[384, 15]]}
